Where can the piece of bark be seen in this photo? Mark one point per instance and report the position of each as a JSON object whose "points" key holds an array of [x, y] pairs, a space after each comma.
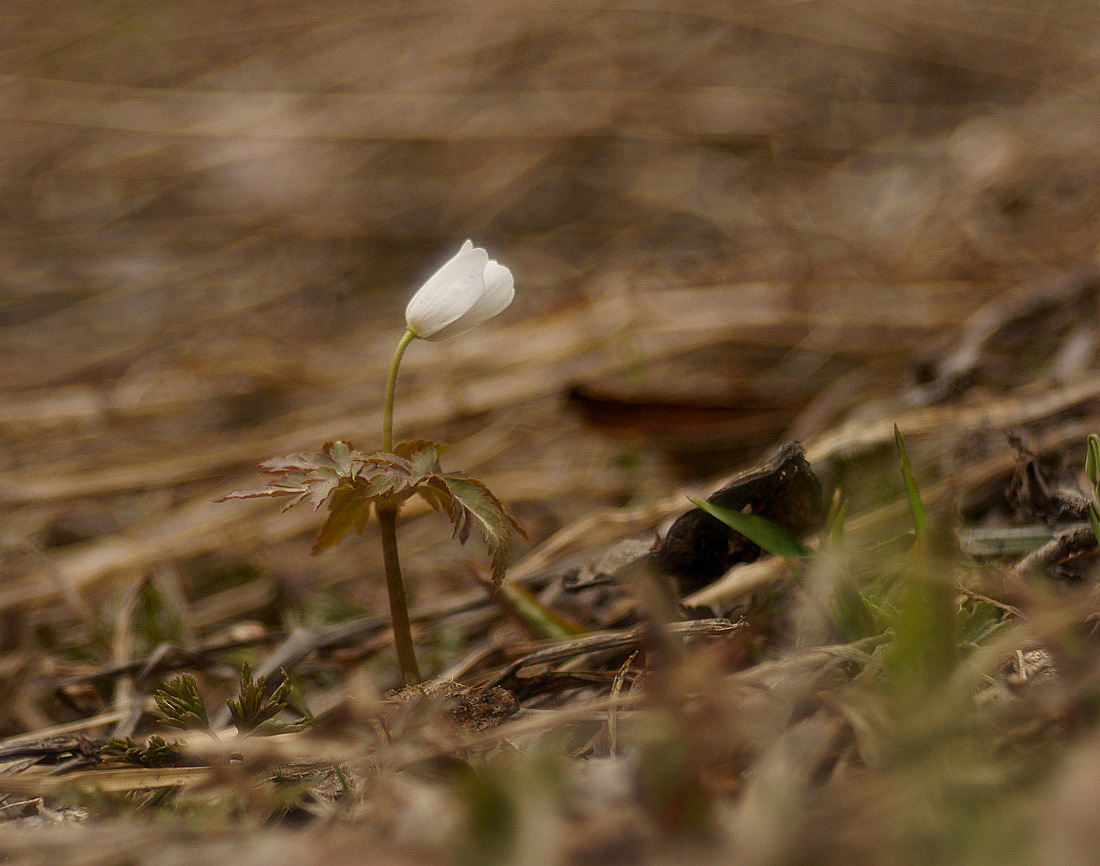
{"points": [[1031, 494], [1069, 545]]}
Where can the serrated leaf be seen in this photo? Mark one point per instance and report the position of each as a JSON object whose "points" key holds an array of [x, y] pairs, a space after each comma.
{"points": [[311, 475], [181, 703], [349, 481], [422, 455], [760, 531], [252, 707], [254, 711], [347, 510], [157, 752], [339, 454], [385, 475], [305, 462], [434, 491], [292, 485], [337, 458], [473, 504]]}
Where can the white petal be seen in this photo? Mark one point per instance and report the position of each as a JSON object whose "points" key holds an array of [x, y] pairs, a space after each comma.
{"points": [[449, 292], [499, 289]]}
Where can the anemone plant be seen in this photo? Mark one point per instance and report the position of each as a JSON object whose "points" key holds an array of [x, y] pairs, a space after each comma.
{"points": [[469, 289]]}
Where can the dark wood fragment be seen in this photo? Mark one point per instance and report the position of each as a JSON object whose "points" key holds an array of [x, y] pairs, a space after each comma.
{"points": [[1033, 496], [699, 549], [1069, 545]]}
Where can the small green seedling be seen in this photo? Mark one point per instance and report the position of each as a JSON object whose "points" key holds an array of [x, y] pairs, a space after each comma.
{"points": [[157, 752], [253, 711], [182, 705], [462, 294]]}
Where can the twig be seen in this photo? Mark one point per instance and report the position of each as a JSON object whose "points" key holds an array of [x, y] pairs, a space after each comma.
{"points": [[613, 710], [609, 640]]}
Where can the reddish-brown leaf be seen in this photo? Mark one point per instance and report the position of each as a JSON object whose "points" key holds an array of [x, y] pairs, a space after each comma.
{"points": [[347, 510], [349, 481], [311, 475], [473, 504]]}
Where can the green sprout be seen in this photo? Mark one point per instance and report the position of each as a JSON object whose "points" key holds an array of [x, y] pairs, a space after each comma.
{"points": [[157, 752], [254, 711], [469, 289], [182, 705]]}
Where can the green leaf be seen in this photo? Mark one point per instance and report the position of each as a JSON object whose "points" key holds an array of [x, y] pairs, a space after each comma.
{"points": [[925, 650], [397, 474], [254, 711], [916, 507], [759, 530], [1092, 459], [157, 752], [434, 492], [182, 705]]}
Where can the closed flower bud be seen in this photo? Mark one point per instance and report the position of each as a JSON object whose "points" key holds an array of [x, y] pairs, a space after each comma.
{"points": [[462, 294]]}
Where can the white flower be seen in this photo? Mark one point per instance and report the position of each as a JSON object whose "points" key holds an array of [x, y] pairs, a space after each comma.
{"points": [[461, 295]]}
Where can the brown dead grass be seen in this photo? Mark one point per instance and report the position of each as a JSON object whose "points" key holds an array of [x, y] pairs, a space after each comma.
{"points": [[211, 215]]}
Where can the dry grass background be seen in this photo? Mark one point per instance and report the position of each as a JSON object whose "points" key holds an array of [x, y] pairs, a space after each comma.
{"points": [[212, 214]]}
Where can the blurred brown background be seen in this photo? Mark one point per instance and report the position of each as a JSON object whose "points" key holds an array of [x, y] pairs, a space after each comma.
{"points": [[212, 214]]}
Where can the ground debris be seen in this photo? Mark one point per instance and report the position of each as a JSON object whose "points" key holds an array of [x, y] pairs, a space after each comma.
{"points": [[699, 548], [474, 709], [213, 224]]}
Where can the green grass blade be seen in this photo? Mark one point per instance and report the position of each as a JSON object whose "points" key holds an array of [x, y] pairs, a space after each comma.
{"points": [[760, 531], [1092, 458], [920, 519], [541, 621]]}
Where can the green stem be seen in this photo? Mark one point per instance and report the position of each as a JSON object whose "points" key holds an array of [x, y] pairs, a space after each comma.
{"points": [[399, 611], [387, 521], [391, 387]]}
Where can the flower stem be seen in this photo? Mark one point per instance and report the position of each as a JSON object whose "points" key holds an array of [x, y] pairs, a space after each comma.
{"points": [[399, 611], [387, 521], [391, 387]]}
